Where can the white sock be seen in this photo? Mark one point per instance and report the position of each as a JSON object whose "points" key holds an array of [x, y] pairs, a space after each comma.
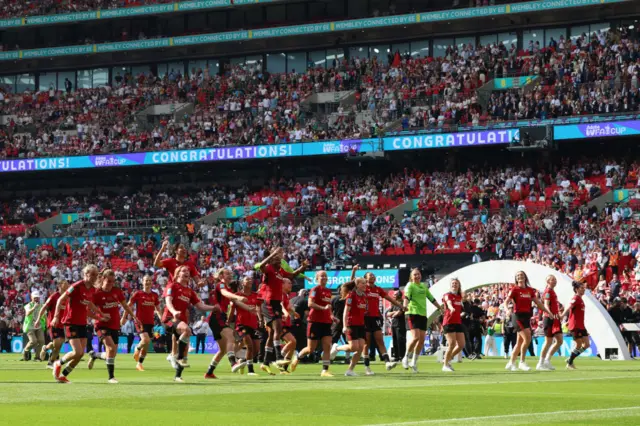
{"points": [[415, 357]]}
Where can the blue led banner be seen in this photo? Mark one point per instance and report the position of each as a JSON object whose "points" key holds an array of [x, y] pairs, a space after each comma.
{"points": [[385, 278]]}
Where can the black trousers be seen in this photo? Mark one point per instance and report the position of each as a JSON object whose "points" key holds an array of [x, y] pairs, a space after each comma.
{"points": [[475, 340], [5, 345], [532, 352], [129, 342], [90, 339], [509, 339], [399, 338], [200, 341]]}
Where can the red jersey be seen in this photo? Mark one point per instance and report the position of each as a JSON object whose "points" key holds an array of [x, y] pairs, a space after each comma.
{"points": [[357, 308], [286, 321], [273, 278], [522, 298], [145, 304], [455, 316], [50, 304], [550, 295], [576, 313], [220, 299], [79, 297], [321, 296], [172, 264], [374, 293], [109, 303], [182, 298], [248, 318]]}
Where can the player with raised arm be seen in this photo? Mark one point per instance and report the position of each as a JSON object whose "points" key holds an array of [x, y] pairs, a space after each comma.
{"points": [[77, 303], [289, 349], [416, 294], [552, 326], [523, 296], [147, 303], [220, 296], [178, 298], [575, 310], [55, 333], [452, 324], [109, 300], [319, 324], [273, 277]]}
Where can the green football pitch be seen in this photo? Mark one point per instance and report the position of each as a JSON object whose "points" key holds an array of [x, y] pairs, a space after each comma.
{"points": [[479, 392]]}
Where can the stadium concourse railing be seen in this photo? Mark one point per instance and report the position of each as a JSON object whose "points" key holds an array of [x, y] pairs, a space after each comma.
{"points": [[92, 227]]}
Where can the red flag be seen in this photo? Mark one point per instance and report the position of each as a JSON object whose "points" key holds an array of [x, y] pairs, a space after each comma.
{"points": [[396, 60]]}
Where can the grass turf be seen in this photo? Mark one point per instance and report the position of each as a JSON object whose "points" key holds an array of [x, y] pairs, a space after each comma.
{"points": [[479, 392]]}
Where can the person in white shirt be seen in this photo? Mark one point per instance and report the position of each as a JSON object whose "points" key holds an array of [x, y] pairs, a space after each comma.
{"points": [[201, 329]]}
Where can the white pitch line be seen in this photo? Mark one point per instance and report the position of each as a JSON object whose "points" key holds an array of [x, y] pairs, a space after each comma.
{"points": [[506, 416]]}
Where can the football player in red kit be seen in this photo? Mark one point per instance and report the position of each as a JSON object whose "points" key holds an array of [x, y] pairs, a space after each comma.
{"points": [[55, 333], [147, 303], [522, 295], [552, 326], [109, 299], [576, 324]]}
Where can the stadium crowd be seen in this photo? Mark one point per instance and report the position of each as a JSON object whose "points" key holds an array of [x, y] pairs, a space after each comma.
{"points": [[506, 212], [592, 74]]}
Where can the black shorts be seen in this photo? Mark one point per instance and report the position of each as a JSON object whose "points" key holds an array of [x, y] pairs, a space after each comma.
{"points": [[244, 330], [285, 330], [318, 330], [579, 333], [453, 328], [417, 322], [145, 328], [75, 331], [217, 324], [356, 332], [551, 327], [102, 333], [271, 310], [170, 327], [56, 333], [372, 324], [522, 320]]}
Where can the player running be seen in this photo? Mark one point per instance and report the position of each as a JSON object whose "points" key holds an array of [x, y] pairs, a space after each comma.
{"points": [[171, 264], [353, 320], [319, 325], [452, 324], [178, 298], [522, 295], [374, 321], [247, 320], [220, 296], [109, 299], [576, 324], [77, 302], [146, 303], [274, 275], [552, 326], [415, 304], [289, 349], [55, 333]]}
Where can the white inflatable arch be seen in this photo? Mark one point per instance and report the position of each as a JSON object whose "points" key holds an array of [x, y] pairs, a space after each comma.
{"points": [[603, 330]]}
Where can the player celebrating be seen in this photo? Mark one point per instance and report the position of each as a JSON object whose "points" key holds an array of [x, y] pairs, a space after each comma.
{"points": [[220, 296], [247, 319], [109, 299], [353, 321], [147, 303], [576, 324], [289, 349], [452, 324], [178, 299], [522, 295], [552, 326], [274, 275], [55, 333], [319, 326], [77, 301], [373, 320], [415, 303]]}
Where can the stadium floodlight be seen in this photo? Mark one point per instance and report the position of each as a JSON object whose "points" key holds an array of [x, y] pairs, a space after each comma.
{"points": [[370, 266], [386, 266], [403, 265]]}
